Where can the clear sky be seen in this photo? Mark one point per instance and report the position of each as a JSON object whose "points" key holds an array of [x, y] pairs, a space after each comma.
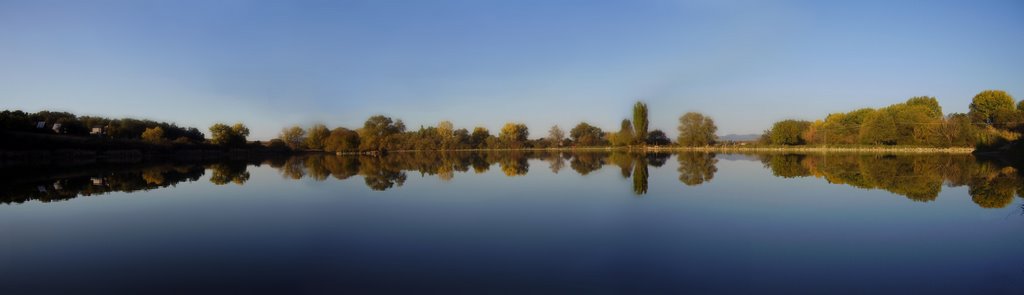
{"points": [[481, 63]]}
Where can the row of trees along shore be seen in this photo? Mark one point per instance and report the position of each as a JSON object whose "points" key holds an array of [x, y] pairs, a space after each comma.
{"points": [[993, 120], [384, 133]]}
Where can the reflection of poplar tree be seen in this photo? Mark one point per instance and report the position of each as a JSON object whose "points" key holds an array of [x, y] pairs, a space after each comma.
{"points": [[640, 175]]}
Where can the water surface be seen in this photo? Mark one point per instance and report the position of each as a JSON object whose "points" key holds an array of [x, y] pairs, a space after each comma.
{"points": [[516, 222]]}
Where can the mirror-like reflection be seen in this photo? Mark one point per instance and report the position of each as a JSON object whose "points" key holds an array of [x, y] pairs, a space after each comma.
{"points": [[438, 219], [916, 177], [696, 168]]}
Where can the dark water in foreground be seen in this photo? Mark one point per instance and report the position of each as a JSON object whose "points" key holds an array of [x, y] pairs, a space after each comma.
{"points": [[517, 223]]}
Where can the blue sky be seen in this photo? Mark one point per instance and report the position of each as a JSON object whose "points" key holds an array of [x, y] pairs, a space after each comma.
{"points": [[271, 64]]}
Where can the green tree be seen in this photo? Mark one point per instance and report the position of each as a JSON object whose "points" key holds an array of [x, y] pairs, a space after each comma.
{"points": [[478, 139], [934, 109], [640, 122], [625, 134], [378, 131], [957, 130], [916, 124], [234, 135], [988, 103], [293, 137], [445, 129], [341, 140], [586, 135], [514, 135], [240, 132], [844, 128], [155, 134], [316, 136], [910, 123], [879, 128], [696, 129], [460, 138], [555, 135], [788, 132]]}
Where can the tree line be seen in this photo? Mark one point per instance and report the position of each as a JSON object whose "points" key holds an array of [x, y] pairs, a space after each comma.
{"points": [[149, 131], [993, 120], [380, 133], [70, 124]]}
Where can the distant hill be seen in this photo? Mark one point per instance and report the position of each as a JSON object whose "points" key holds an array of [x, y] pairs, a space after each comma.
{"points": [[739, 137]]}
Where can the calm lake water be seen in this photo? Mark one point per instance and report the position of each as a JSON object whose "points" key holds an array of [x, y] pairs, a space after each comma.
{"points": [[512, 222]]}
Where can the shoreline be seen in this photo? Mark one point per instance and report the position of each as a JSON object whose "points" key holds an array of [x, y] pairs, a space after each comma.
{"points": [[132, 155], [819, 149], [722, 149]]}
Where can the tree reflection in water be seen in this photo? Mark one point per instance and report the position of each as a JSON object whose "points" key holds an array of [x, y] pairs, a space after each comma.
{"points": [[696, 168], [640, 174], [229, 172], [916, 177], [49, 184]]}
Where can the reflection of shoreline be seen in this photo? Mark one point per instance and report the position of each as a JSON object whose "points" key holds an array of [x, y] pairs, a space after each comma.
{"points": [[916, 177], [48, 183], [817, 149], [728, 149]]}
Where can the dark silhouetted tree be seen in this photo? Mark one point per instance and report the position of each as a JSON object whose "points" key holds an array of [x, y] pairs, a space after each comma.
{"points": [[658, 137]]}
